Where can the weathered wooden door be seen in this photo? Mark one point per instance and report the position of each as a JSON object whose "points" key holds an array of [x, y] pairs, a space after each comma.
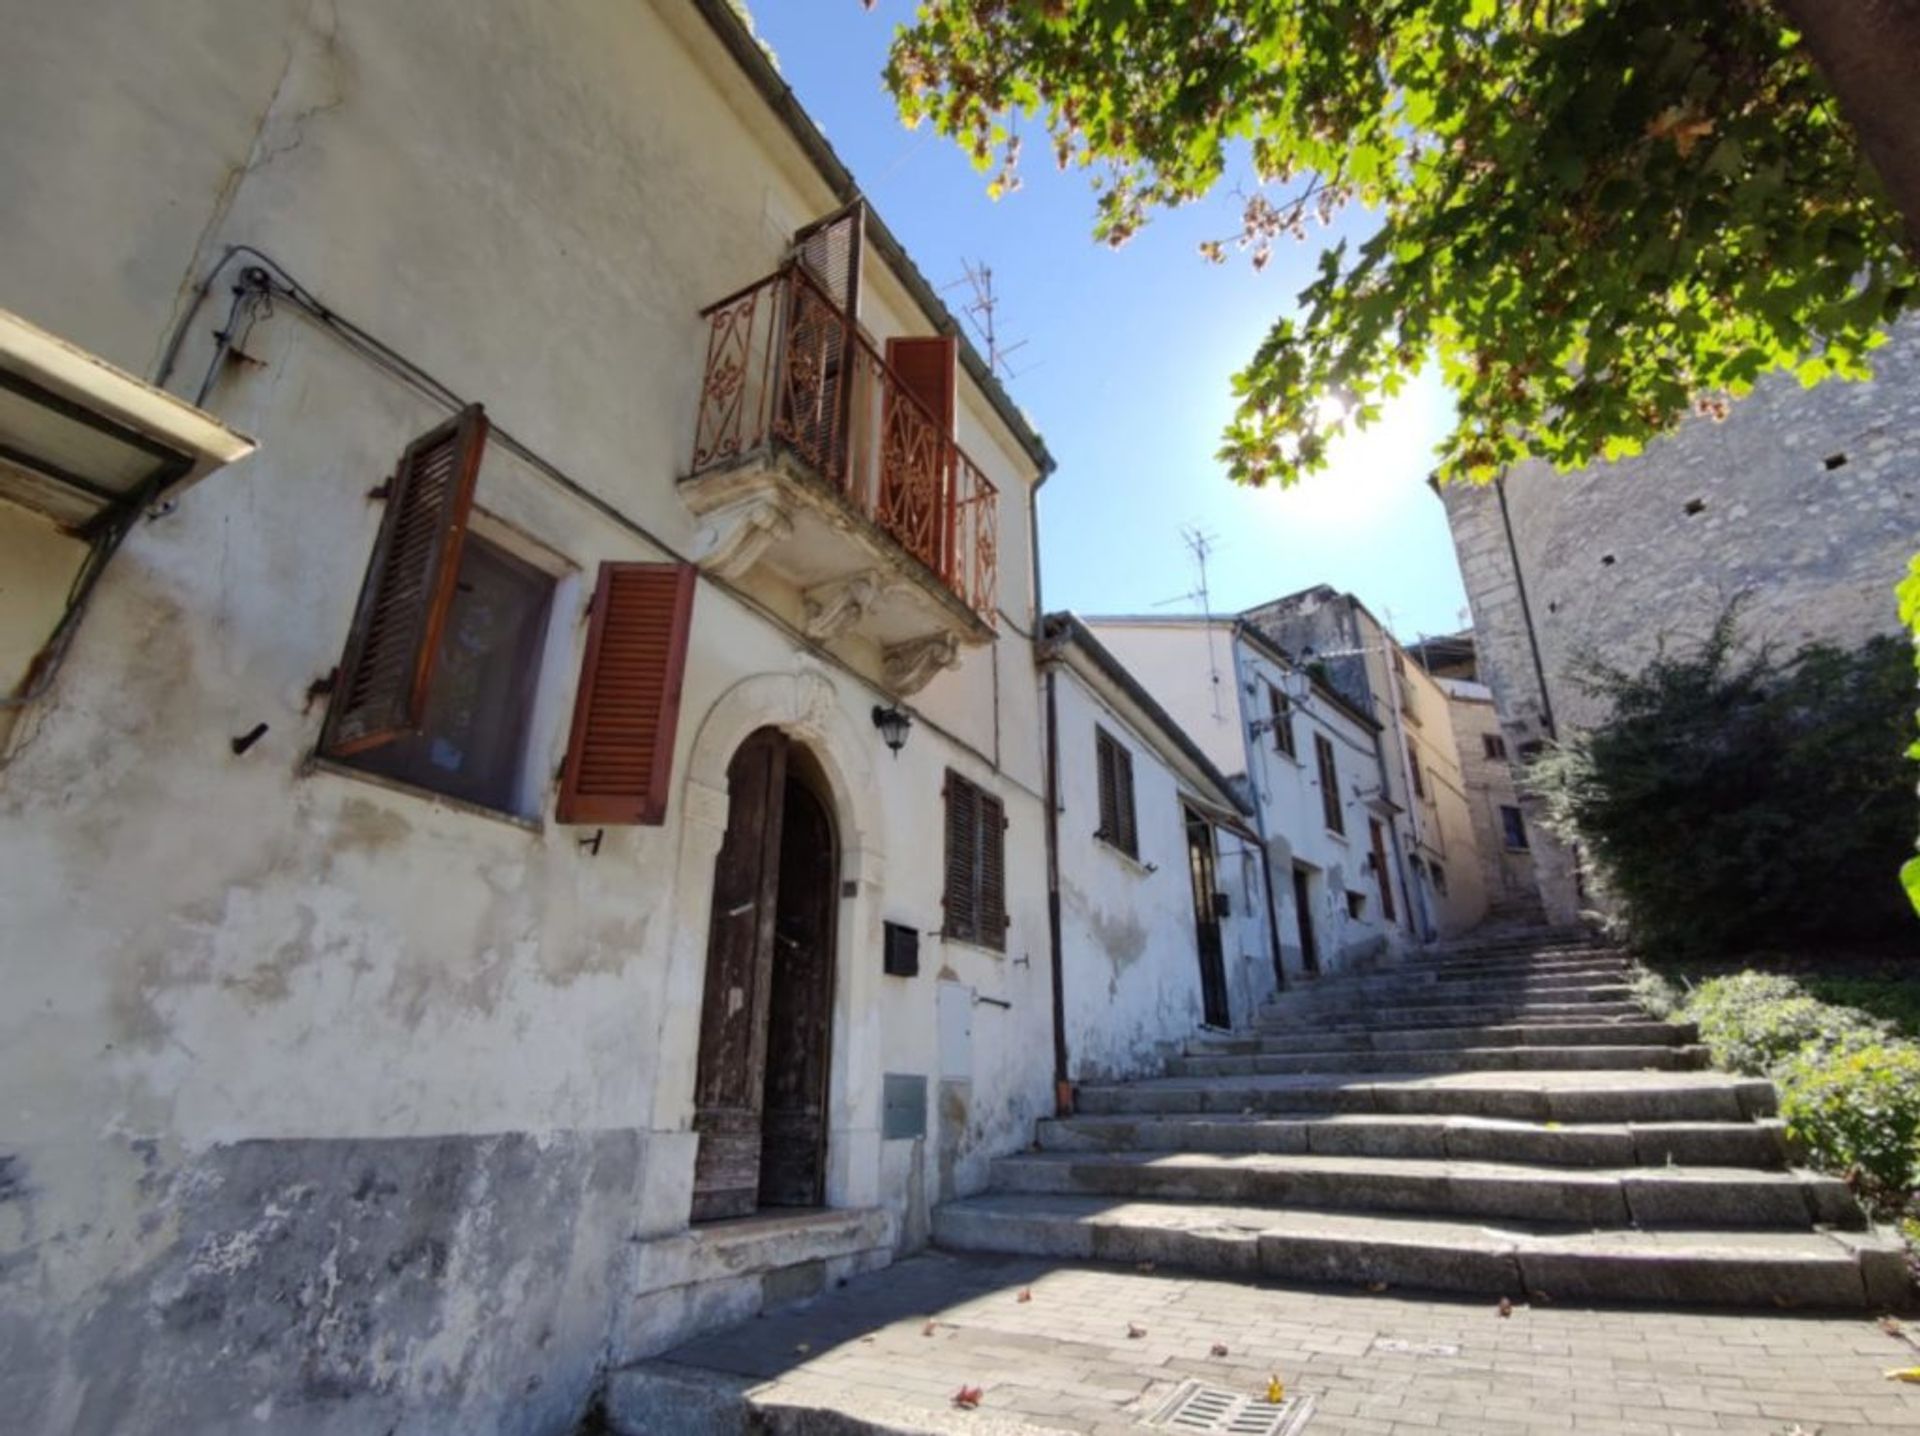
{"points": [[793, 1150], [1206, 921], [728, 1090], [1303, 911]]}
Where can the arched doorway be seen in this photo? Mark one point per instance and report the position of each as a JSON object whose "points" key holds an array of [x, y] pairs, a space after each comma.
{"points": [[760, 1095]]}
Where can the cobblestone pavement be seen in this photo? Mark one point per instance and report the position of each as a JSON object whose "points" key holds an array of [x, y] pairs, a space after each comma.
{"points": [[1374, 1363]]}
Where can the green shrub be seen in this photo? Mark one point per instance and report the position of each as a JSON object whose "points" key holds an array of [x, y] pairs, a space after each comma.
{"points": [[1755, 1022], [1858, 1113], [1731, 800], [1895, 999]]}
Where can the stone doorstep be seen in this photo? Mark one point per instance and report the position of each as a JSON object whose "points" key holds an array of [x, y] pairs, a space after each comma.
{"points": [[655, 1398], [719, 1273], [1759, 1143], [1716, 1268], [1635, 1196]]}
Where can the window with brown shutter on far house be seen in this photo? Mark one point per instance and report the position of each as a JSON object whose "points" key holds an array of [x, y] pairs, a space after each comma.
{"points": [[1115, 767], [1413, 770], [436, 688], [1329, 785], [1280, 713], [1493, 745], [976, 887]]}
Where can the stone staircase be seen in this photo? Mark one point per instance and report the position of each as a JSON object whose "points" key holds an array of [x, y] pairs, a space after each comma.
{"points": [[1500, 1118]]}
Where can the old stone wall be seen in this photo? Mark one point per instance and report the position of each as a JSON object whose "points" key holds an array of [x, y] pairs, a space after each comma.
{"points": [[1803, 505]]}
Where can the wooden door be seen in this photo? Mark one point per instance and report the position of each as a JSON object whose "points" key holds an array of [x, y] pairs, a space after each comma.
{"points": [[728, 1090], [1303, 910], [1380, 873], [793, 1150], [1206, 921]]}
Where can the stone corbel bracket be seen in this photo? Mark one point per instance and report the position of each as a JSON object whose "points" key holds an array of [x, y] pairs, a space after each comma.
{"points": [[733, 538], [909, 667], [833, 608]]}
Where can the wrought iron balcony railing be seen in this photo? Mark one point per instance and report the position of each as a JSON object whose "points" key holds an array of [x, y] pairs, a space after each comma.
{"points": [[786, 371]]}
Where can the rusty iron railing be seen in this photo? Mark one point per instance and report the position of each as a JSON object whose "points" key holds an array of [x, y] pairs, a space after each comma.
{"points": [[786, 370]]}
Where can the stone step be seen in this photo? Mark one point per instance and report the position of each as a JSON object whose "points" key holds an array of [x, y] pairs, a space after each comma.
{"points": [[1534, 1096], [1645, 1197], [1759, 1143], [1518, 1259], [1285, 1020], [1545, 989], [1644, 1033], [1586, 1058]]}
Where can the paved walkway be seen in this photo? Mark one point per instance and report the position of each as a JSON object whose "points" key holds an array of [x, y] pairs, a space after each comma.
{"points": [[1375, 1363]]}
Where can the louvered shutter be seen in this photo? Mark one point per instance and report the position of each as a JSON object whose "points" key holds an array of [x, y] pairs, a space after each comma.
{"points": [[926, 367], [1109, 805], [620, 757], [992, 902], [829, 251], [1129, 837], [381, 691], [963, 866]]}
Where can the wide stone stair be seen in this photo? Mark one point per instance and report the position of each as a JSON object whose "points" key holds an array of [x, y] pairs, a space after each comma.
{"points": [[1500, 1118]]}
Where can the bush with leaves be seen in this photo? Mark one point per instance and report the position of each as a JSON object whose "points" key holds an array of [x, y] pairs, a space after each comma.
{"points": [[1755, 1022], [1731, 799], [1858, 1113]]}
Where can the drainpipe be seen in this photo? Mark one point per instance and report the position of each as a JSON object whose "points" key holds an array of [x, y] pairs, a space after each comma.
{"points": [[1417, 896], [1252, 745], [1062, 1085]]}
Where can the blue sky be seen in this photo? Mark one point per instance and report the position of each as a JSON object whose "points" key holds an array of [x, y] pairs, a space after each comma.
{"points": [[1126, 365]]}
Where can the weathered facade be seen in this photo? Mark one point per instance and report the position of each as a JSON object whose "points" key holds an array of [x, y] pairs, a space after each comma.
{"points": [[1163, 904], [369, 1055], [1310, 766], [1420, 760], [1803, 506]]}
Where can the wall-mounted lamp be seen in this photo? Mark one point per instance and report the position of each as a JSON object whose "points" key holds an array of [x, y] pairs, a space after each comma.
{"points": [[893, 723]]}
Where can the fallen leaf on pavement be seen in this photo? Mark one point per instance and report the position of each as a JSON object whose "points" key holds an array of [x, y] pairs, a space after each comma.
{"points": [[1219, 1349], [927, 1330], [1506, 1306], [1276, 1391], [1135, 1330], [1026, 1294], [1908, 1374], [1376, 1287], [967, 1397]]}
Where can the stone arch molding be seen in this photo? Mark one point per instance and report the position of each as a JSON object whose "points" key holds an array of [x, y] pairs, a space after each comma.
{"points": [[807, 706]]}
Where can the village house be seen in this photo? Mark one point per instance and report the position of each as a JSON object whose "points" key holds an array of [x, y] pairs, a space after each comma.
{"points": [[1335, 634], [1308, 763], [1164, 913], [580, 780]]}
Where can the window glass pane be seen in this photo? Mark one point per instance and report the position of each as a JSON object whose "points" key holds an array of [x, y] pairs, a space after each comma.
{"points": [[473, 742]]}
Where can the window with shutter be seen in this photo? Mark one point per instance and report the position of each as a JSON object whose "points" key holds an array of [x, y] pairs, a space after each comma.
{"points": [[976, 888], [1413, 770], [381, 691], [926, 367], [620, 755], [1330, 804], [1280, 710], [1113, 765]]}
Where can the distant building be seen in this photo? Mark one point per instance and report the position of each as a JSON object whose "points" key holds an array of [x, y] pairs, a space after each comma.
{"points": [[1335, 634], [1803, 505], [1308, 761]]}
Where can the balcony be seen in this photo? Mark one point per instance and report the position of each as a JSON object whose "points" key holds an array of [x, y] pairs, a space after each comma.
{"points": [[816, 465]]}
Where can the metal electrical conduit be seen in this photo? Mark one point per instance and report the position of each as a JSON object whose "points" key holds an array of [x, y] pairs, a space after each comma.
{"points": [[269, 279]]}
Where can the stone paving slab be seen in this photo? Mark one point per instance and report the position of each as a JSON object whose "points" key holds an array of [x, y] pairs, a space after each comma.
{"points": [[887, 1352]]}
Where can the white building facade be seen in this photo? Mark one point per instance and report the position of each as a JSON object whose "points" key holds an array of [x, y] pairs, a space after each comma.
{"points": [[1310, 765], [1164, 916], [500, 823]]}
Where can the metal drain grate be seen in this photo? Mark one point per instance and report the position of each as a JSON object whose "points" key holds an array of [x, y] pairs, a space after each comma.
{"points": [[1195, 1406]]}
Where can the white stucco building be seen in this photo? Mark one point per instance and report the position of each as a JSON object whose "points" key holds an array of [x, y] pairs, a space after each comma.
{"points": [[452, 850], [1309, 762], [1164, 916]]}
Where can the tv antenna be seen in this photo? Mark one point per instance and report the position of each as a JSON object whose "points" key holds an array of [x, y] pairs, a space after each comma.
{"points": [[980, 312], [1201, 544]]}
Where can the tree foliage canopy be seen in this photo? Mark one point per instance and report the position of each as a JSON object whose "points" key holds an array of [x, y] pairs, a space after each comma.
{"points": [[1595, 215]]}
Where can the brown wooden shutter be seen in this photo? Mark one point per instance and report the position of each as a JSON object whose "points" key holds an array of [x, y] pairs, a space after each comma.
{"points": [[1103, 748], [829, 251], [1129, 836], [993, 871], [381, 692], [1329, 785], [927, 371], [963, 867], [620, 757]]}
